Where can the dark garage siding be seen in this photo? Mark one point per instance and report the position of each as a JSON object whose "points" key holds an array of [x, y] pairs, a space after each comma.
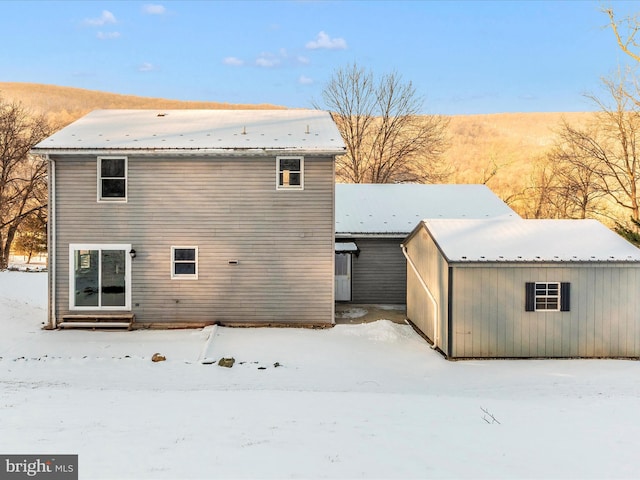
{"points": [[379, 272]]}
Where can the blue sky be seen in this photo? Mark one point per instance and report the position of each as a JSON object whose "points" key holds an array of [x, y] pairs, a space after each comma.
{"points": [[462, 57]]}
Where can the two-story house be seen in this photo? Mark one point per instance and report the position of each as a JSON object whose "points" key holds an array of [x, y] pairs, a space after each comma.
{"points": [[192, 217]]}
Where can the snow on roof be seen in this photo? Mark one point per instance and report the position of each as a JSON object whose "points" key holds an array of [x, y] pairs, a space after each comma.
{"points": [[507, 240], [398, 208], [199, 130], [346, 247]]}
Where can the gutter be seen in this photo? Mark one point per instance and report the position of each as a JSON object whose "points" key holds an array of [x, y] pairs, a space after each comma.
{"points": [[434, 302], [187, 152], [51, 244]]}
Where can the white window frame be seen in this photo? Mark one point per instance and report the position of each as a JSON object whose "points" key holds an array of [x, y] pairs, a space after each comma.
{"points": [[73, 247], [189, 276], [126, 179], [290, 187], [546, 296]]}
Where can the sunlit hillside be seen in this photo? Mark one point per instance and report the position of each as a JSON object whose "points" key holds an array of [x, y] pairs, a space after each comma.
{"points": [[500, 149], [496, 149], [63, 105]]}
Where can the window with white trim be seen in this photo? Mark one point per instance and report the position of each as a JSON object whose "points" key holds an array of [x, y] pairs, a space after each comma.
{"points": [[112, 179], [99, 277], [547, 297], [290, 173], [184, 262]]}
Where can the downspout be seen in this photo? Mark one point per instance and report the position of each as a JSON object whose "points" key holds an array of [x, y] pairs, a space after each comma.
{"points": [[436, 320], [51, 244]]}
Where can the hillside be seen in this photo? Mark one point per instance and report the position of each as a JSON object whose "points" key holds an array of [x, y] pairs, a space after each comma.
{"points": [[496, 149], [63, 105], [505, 143]]}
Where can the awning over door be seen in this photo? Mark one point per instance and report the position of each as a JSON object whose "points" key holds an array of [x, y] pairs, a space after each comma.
{"points": [[346, 247]]}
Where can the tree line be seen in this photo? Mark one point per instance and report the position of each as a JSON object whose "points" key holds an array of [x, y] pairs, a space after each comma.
{"points": [[23, 181], [592, 171]]}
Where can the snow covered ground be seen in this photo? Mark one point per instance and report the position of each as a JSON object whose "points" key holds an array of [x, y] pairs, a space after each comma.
{"points": [[355, 401]]}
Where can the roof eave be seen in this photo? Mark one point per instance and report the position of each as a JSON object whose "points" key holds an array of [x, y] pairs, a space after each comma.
{"points": [[511, 262], [187, 152], [371, 234]]}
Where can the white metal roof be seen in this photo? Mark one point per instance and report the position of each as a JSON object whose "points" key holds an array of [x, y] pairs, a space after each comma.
{"points": [[346, 247], [397, 208], [505, 240], [198, 130]]}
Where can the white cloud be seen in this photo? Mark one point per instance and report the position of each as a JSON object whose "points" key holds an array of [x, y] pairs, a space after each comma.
{"points": [[147, 67], [105, 18], [267, 60], [303, 60], [233, 61], [154, 9], [108, 35], [323, 40], [305, 80]]}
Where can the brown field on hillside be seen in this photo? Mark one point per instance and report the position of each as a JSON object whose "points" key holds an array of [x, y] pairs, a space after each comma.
{"points": [[497, 149], [63, 105], [501, 149]]}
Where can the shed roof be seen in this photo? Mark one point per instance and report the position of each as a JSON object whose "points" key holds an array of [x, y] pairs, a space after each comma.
{"points": [[396, 208], [192, 131], [505, 240]]}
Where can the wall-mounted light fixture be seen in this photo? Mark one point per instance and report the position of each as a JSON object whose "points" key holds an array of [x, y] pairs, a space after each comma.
{"points": [[132, 253]]}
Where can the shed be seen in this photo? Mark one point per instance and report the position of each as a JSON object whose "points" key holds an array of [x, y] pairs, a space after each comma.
{"points": [[505, 288], [377, 217]]}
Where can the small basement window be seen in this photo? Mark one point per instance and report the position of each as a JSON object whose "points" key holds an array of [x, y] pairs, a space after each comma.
{"points": [[184, 263], [290, 173], [547, 297], [112, 179]]}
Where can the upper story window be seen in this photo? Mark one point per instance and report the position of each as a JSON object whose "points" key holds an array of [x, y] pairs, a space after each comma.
{"points": [[112, 179], [184, 262], [547, 296], [290, 173]]}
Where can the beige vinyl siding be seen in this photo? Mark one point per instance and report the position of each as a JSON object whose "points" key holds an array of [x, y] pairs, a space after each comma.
{"points": [[489, 317], [229, 209], [379, 272], [434, 272]]}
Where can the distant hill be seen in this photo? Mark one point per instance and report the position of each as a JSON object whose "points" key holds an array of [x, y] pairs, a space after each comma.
{"points": [[63, 105], [508, 143]]}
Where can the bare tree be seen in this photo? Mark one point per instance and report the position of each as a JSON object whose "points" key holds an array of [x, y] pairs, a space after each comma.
{"points": [[31, 238], [608, 150], [387, 139], [625, 32], [534, 200], [23, 177], [578, 191]]}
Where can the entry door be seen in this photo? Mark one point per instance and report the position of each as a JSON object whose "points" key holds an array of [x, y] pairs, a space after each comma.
{"points": [[343, 277], [99, 277]]}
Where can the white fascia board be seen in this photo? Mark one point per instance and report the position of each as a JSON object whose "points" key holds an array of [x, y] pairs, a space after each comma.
{"points": [[187, 152], [370, 235]]}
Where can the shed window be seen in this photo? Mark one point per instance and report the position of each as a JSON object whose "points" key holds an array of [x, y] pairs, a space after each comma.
{"points": [[184, 262], [290, 172], [112, 179], [547, 296]]}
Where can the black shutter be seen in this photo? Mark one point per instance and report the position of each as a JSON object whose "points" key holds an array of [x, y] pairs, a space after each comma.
{"points": [[530, 298], [565, 296]]}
